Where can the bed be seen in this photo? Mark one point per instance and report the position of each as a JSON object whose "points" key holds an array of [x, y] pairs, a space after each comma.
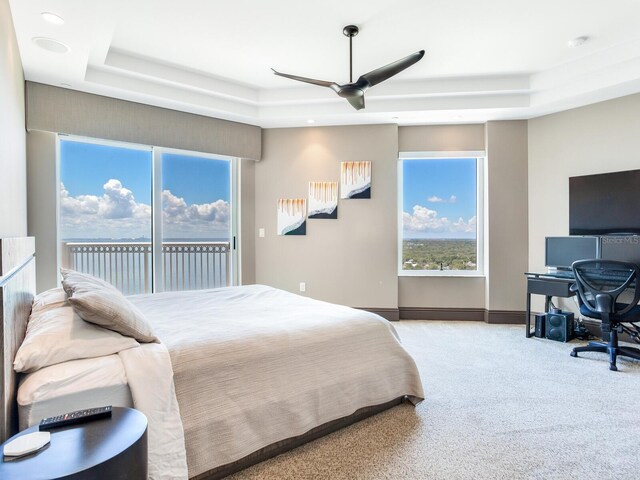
{"points": [[255, 370]]}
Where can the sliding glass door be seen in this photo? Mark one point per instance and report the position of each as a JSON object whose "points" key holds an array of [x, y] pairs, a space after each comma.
{"points": [[105, 212], [196, 221], [146, 219]]}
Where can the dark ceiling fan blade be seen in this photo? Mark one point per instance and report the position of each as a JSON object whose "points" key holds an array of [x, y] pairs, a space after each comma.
{"points": [[354, 92], [313, 81], [356, 102], [381, 74]]}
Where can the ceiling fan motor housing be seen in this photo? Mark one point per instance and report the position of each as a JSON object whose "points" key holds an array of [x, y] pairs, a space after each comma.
{"points": [[350, 30]]}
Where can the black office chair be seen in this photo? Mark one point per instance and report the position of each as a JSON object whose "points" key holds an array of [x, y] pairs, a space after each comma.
{"points": [[599, 283]]}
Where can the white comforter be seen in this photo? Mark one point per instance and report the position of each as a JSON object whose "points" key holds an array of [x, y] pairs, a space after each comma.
{"points": [[150, 379], [254, 365]]}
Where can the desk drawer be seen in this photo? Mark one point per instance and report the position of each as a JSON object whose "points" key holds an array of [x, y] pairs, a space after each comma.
{"points": [[553, 288]]}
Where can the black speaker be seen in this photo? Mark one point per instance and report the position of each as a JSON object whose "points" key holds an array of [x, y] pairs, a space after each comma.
{"points": [[541, 320], [559, 326]]}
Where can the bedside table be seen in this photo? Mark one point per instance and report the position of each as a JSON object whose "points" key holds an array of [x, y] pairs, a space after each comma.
{"points": [[109, 448]]}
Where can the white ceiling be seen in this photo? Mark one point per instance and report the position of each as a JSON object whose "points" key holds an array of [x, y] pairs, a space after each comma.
{"points": [[495, 59]]}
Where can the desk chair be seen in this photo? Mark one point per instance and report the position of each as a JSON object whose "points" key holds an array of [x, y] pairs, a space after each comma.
{"points": [[599, 283]]}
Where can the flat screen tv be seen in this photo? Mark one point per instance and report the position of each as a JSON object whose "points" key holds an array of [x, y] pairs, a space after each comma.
{"points": [[608, 203]]}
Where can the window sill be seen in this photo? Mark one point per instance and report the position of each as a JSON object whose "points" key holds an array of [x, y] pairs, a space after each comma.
{"points": [[437, 274]]}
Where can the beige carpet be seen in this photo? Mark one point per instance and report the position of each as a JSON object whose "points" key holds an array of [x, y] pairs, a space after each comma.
{"points": [[498, 406]]}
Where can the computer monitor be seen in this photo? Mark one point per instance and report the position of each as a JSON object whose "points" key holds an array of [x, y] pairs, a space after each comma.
{"points": [[561, 252]]}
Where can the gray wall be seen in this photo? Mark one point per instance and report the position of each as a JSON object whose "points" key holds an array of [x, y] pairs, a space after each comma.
{"points": [[354, 260], [441, 138], [13, 170], [599, 138], [441, 292], [42, 181], [507, 218], [247, 223], [351, 260]]}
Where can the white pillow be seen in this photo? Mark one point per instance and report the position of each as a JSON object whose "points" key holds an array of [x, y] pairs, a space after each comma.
{"points": [[102, 304], [71, 278], [56, 334], [55, 296]]}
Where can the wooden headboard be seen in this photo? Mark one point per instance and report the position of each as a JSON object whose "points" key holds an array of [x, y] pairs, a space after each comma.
{"points": [[17, 289]]}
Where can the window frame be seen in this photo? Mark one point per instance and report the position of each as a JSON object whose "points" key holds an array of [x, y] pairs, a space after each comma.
{"points": [[234, 201], [157, 280], [480, 157]]}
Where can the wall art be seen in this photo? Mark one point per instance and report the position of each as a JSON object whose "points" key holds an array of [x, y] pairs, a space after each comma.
{"points": [[323, 200], [355, 180], [292, 216]]}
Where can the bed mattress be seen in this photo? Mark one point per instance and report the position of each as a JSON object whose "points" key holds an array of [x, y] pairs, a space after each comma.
{"points": [[70, 386]]}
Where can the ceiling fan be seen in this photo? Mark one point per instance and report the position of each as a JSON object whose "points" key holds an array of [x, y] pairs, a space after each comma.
{"points": [[354, 91]]}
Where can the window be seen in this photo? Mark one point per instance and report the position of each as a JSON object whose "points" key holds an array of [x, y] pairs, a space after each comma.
{"points": [[109, 226], [440, 213]]}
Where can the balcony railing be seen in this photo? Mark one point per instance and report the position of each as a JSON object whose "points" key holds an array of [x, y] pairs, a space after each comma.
{"points": [[128, 265]]}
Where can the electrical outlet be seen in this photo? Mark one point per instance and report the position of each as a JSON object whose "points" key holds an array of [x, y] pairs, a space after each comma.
{"points": [[261, 232], [303, 287]]}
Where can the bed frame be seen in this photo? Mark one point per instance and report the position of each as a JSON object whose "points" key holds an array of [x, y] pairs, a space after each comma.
{"points": [[17, 289], [283, 446]]}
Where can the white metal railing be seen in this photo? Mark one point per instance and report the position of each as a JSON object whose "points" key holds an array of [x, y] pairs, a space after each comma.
{"points": [[128, 265]]}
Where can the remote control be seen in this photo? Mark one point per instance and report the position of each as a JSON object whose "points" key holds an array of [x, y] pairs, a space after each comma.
{"points": [[79, 416]]}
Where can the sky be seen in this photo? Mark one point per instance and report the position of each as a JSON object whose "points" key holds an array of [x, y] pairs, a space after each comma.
{"points": [[106, 193], [439, 198]]}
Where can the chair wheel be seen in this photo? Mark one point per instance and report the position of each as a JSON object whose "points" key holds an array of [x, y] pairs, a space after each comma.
{"points": [[573, 354]]}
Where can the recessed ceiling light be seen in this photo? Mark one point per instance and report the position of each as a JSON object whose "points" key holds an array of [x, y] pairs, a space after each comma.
{"points": [[311, 120], [52, 18], [51, 44], [578, 41]]}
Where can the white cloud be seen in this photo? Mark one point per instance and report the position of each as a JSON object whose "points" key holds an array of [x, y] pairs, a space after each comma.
{"points": [[436, 199], [119, 202], [80, 204], [197, 218], [467, 227], [424, 219], [117, 214]]}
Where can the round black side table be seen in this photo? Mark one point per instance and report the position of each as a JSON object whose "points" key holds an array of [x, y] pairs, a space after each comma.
{"points": [[109, 448]]}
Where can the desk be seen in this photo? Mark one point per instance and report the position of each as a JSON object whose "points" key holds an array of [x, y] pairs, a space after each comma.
{"points": [[549, 285], [109, 448]]}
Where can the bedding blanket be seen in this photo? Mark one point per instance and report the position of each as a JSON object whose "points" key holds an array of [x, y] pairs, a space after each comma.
{"points": [[150, 379], [254, 365]]}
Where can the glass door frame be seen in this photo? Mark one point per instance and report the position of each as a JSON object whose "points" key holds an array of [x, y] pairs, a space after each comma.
{"points": [[157, 279], [156, 230], [61, 137]]}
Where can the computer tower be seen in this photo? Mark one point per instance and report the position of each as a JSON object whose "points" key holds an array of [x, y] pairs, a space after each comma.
{"points": [[559, 326], [541, 320]]}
